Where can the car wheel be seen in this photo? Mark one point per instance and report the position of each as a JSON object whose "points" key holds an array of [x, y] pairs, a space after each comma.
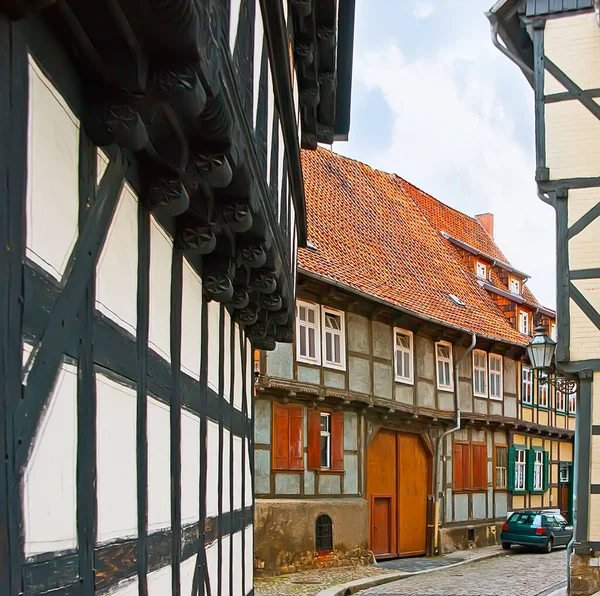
{"points": [[506, 545], [548, 546]]}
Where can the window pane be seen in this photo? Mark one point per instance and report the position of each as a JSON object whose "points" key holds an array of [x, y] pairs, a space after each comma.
{"points": [[325, 423], [332, 322], [311, 315], [302, 313], [328, 348], [311, 343], [403, 341], [337, 351], [406, 370], [325, 451], [303, 350]]}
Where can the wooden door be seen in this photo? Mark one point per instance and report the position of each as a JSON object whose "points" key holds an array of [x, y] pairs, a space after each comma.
{"points": [[563, 500], [381, 525], [413, 478], [381, 492]]}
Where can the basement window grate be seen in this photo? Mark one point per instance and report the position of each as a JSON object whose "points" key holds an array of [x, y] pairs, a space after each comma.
{"points": [[324, 534], [471, 535]]}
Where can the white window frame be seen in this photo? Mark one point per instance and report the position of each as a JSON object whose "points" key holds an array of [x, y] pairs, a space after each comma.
{"points": [[545, 389], [439, 360], [327, 435], [514, 290], [481, 275], [553, 331], [520, 469], [316, 326], [410, 378], [499, 374], [563, 478], [524, 317], [325, 310], [561, 401], [527, 383], [479, 369], [572, 403], [538, 470]]}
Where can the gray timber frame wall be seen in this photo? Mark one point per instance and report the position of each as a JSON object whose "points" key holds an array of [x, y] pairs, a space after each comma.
{"points": [[556, 193]]}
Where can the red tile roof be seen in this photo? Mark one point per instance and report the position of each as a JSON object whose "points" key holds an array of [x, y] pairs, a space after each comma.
{"points": [[370, 233]]}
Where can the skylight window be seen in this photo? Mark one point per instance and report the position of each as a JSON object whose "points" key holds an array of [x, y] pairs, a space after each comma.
{"points": [[481, 270], [309, 244], [456, 300]]}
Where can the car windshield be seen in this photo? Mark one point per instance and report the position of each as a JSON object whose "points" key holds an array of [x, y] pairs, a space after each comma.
{"points": [[526, 518]]}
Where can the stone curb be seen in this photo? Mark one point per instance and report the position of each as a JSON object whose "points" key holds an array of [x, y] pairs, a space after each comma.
{"points": [[370, 582]]}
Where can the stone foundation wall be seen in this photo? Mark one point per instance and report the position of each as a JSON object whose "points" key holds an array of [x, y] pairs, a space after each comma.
{"points": [[457, 537], [585, 574], [284, 534]]}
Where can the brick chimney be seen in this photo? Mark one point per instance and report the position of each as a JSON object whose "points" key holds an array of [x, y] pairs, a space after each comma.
{"points": [[487, 221]]}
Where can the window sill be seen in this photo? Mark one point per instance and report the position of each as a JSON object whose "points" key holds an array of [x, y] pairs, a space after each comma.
{"points": [[519, 492], [287, 470], [573, 415], [526, 405], [500, 398], [469, 491], [444, 388], [544, 408], [482, 395], [561, 412], [405, 381], [339, 367], [500, 490], [323, 472], [308, 361], [537, 492]]}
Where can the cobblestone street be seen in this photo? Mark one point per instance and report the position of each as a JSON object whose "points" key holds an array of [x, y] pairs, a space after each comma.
{"points": [[522, 573]]}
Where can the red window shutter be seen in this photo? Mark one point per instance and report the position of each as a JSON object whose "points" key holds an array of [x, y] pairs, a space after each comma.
{"points": [[480, 466], [296, 438], [281, 437], [314, 439], [457, 467], [337, 441], [466, 462]]}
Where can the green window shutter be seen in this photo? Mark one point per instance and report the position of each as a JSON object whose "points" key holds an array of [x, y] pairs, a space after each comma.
{"points": [[511, 468], [546, 478], [529, 471]]}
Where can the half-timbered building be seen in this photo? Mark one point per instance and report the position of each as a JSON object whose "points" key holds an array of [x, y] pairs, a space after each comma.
{"points": [[556, 45], [151, 204], [409, 324]]}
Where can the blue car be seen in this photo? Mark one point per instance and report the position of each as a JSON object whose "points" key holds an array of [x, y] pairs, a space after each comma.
{"points": [[540, 529]]}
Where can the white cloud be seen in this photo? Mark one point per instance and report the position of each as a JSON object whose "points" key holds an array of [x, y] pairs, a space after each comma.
{"points": [[422, 10], [454, 138]]}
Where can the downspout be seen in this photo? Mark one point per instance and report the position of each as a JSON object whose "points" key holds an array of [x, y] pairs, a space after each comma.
{"points": [[438, 447], [512, 57]]}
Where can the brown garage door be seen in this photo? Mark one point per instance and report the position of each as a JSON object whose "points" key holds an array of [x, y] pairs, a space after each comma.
{"points": [[398, 476]]}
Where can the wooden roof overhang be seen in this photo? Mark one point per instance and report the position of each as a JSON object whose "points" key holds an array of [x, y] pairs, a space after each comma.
{"points": [[323, 42], [160, 82]]}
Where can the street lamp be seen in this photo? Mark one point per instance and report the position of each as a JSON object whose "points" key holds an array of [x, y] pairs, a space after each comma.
{"points": [[541, 355]]}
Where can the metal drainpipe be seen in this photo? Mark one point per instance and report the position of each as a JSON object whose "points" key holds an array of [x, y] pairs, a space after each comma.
{"points": [[506, 51], [438, 448]]}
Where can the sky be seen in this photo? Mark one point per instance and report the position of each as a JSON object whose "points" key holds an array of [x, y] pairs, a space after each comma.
{"points": [[436, 103]]}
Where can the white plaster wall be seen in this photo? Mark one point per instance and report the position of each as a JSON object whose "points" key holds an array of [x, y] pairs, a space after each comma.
{"points": [[212, 564], [280, 161], [249, 558], [572, 132], [191, 321], [159, 465], [572, 140], [585, 336], [259, 35], [101, 164], [227, 356], [187, 569], [237, 473], [248, 475], [159, 581], [238, 381], [237, 587], [52, 175], [190, 467], [161, 256], [270, 116], [226, 464], [572, 43], [234, 19], [116, 271], [212, 468], [249, 379], [214, 349], [49, 489], [116, 455], [225, 553]]}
